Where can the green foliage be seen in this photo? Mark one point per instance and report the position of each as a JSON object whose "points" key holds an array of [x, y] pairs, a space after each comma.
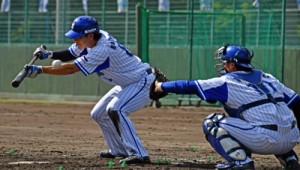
{"points": [[163, 161], [193, 148]]}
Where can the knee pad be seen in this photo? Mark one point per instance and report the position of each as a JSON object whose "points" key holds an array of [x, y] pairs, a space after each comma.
{"points": [[221, 141], [212, 121]]}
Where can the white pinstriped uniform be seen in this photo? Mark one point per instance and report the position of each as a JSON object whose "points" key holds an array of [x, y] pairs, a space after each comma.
{"points": [[233, 92], [116, 65]]}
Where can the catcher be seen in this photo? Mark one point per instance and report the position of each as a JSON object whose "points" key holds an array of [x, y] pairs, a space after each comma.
{"points": [[262, 112], [97, 51]]}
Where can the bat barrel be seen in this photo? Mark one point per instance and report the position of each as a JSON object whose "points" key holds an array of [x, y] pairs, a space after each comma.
{"points": [[19, 78], [22, 74], [15, 83]]}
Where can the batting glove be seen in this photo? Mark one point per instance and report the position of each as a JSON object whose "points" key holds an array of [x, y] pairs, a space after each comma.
{"points": [[42, 53], [34, 70]]}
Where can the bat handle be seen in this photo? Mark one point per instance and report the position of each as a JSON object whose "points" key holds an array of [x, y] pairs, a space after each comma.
{"points": [[44, 47]]}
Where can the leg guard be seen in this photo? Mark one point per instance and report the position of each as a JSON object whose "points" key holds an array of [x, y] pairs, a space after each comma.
{"points": [[221, 141], [114, 116]]}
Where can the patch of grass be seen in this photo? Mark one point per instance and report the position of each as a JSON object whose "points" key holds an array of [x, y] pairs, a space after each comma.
{"points": [[193, 148], [163, 161]]}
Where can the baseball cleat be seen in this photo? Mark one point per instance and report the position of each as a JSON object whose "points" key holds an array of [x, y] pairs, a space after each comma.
{"points": [[292, 165], [136, 160], [108, 154], [233, 166]]}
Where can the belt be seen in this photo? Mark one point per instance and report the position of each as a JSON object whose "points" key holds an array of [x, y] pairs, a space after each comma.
{"points": [[275, 127], [149, 71]]}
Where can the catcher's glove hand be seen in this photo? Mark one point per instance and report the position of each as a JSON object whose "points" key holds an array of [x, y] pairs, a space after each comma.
{"points": [[160, 77]]}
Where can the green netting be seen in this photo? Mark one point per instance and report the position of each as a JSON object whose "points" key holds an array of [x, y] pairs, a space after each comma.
{"points": [[24, 24], [183, 42], [202, 29]]}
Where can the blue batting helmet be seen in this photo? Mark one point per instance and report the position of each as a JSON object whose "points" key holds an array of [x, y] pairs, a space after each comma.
{"points": [[81, 26]]}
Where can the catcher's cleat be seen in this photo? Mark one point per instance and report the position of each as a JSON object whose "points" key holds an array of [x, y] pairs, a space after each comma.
{"points": [[108, 154], [136, 160], [233, 166], [289, 160], [292, 165]]}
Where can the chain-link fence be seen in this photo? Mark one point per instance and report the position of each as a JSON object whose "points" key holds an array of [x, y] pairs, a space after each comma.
{"points": [[26, 23]]}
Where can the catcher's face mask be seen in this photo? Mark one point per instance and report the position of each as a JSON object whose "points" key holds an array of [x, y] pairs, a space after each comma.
{"points": [[218, 57]]}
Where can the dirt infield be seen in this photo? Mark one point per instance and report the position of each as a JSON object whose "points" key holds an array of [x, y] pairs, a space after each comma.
{"points": [[63, 136]]}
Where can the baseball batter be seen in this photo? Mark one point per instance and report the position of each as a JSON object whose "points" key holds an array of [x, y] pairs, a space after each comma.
{"points": [[96, 51], [260, 111]]}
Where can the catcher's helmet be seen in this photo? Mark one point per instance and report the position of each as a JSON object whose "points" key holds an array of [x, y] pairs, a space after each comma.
{"points": [[241, 56], [81, 26]]}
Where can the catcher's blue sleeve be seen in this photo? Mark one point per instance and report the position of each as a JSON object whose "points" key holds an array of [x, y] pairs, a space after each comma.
{"points": [[206, 90], [180, 87], [213, 89]]}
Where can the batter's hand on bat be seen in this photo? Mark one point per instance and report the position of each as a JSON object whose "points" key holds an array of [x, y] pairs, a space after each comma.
{"points": [[34, 70], [42, 53]]}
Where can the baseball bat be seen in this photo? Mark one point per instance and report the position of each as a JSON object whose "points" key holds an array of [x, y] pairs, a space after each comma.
{"points": [[23, 73]]}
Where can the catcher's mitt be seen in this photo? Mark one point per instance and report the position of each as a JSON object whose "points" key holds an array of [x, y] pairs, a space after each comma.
{"points": [[160, 77]]}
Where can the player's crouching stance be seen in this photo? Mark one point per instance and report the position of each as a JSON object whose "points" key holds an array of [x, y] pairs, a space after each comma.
{"points": [[97, 51], [261, 111]]}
